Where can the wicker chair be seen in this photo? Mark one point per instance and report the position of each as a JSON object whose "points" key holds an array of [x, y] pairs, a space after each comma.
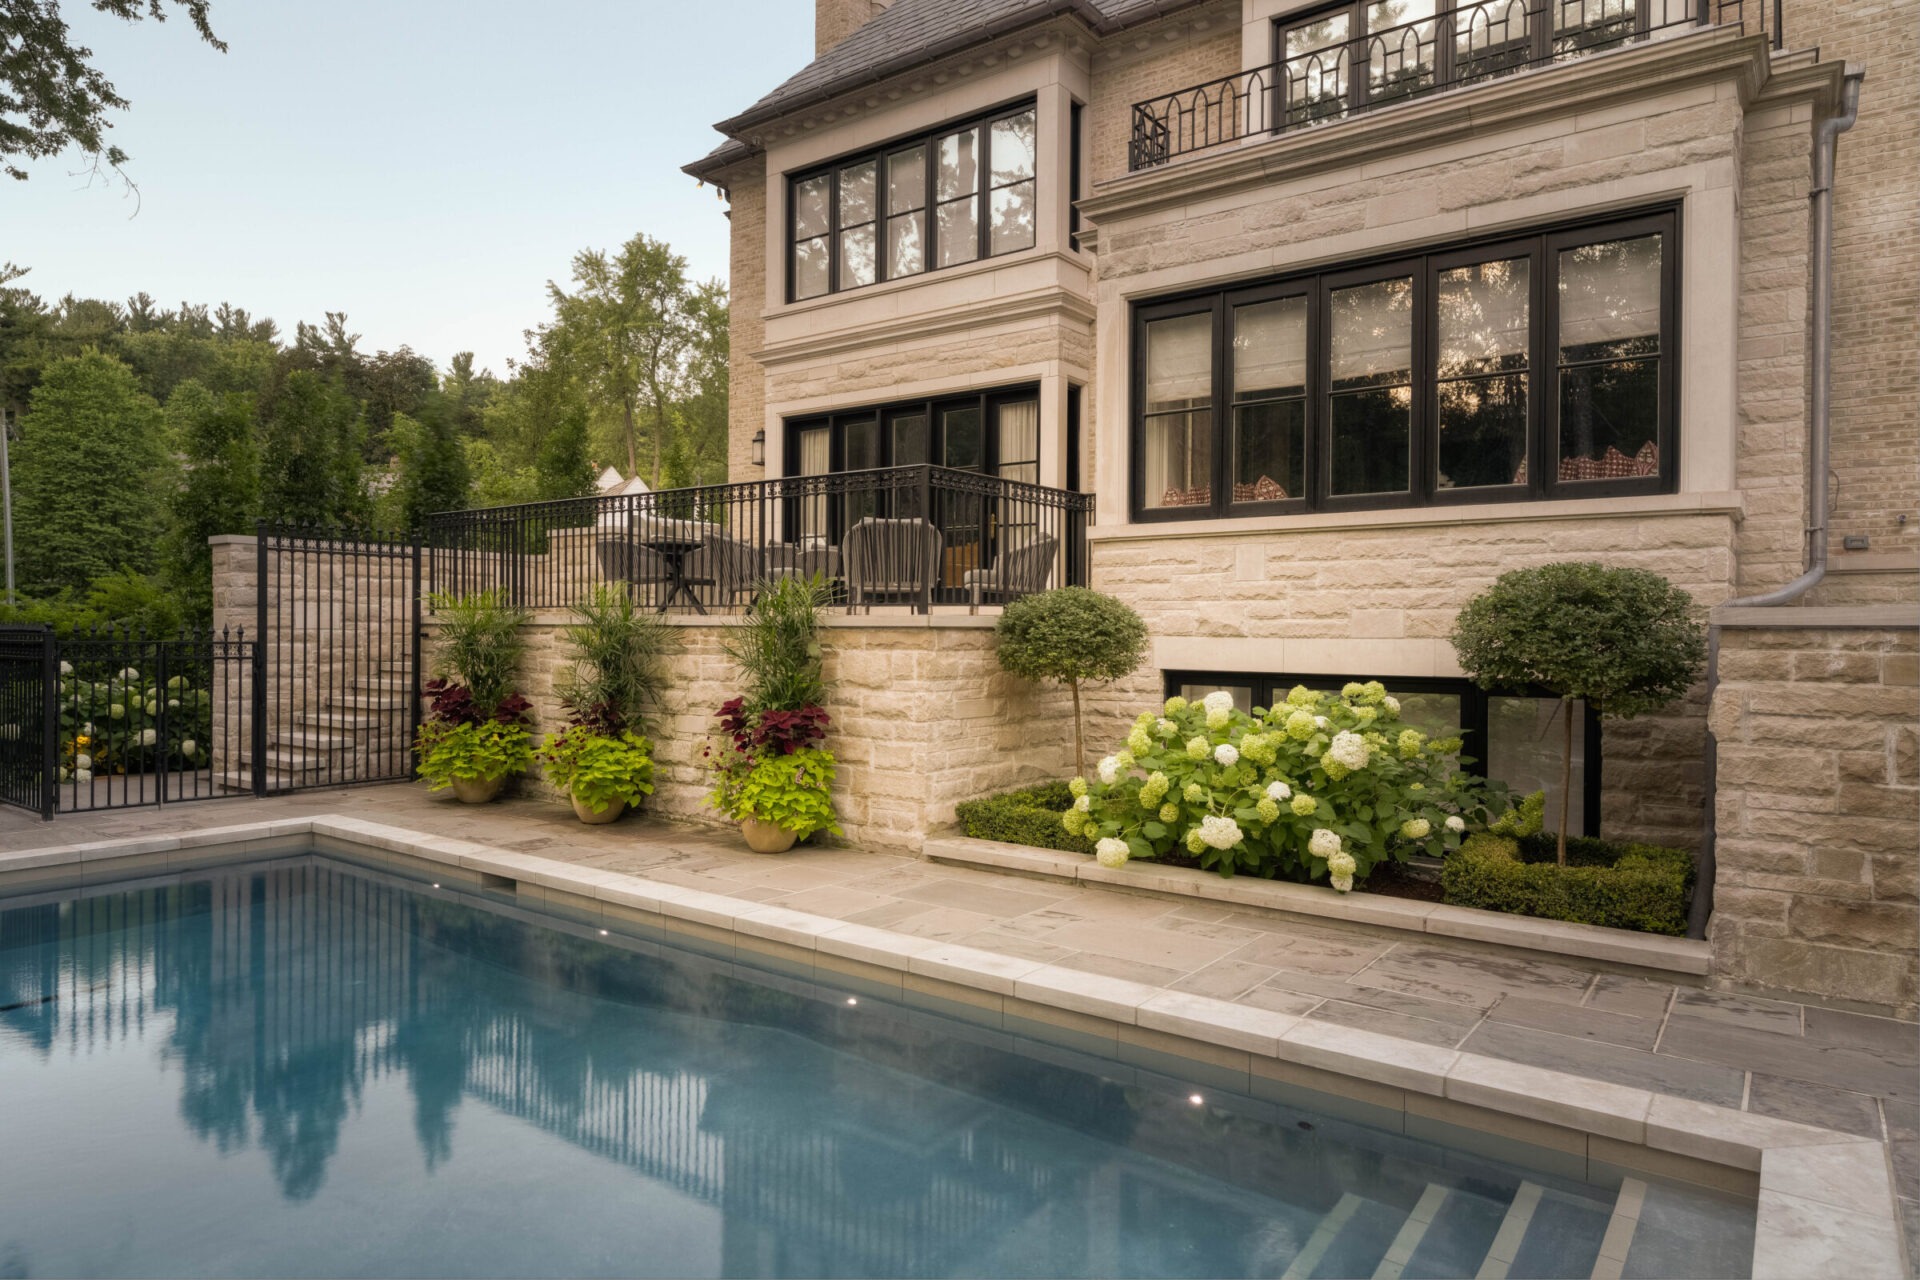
{"points": [[890, 559], [1019, 571]]}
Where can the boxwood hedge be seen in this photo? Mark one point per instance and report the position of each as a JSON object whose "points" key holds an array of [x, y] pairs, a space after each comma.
{"points": [[1622, 886], [1030, 816]]}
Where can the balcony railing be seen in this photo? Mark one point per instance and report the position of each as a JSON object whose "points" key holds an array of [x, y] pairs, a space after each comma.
{"points": [[1467, 45], [895, 538]]}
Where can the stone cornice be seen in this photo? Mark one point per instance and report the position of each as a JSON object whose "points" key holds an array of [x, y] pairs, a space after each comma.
{"points": [[1712, 56], [1052, 302]]}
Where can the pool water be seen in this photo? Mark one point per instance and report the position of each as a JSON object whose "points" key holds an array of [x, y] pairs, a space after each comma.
{"points": [[308, 1068]]}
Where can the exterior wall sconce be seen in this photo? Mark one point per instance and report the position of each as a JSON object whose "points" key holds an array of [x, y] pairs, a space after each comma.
{"points": [[760, 448]]}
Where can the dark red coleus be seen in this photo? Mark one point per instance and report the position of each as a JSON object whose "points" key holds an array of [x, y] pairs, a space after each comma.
{"points": [[453, 704], [772, 732]]}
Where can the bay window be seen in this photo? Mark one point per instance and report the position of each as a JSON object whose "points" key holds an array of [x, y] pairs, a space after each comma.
{"points": [[1533, 367], [961, 193]]}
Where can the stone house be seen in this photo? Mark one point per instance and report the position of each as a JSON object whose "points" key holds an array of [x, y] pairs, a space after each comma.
{"points": [[1339, 311]]}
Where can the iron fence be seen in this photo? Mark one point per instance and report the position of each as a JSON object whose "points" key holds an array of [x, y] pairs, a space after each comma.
{"points": [[115, 719], [898, 537], [338, 614], [1330, 69]]}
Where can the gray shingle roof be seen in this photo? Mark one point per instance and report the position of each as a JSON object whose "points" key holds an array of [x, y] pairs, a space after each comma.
{"points": [[910, 33]]}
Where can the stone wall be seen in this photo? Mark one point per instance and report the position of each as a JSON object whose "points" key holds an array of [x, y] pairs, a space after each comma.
{"points": [[1817, 805], [923, 718], [746, 297], [1141, 64]]}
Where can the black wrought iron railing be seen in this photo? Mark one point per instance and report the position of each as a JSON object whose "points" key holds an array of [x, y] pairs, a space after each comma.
{"points": [[1327, 72], [897, 537]]}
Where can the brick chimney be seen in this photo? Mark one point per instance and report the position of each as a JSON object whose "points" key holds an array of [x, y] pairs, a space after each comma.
{"points": [[835, 20]]}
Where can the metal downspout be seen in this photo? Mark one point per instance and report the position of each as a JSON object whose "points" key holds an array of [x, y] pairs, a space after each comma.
{"points": [[1826, 139]]}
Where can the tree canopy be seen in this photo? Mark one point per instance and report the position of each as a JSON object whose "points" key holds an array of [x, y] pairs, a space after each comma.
{"points": [[52, 96], [1071, 636]]}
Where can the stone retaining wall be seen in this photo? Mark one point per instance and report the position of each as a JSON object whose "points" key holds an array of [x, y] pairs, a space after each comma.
{"points": [[1817, 806]]}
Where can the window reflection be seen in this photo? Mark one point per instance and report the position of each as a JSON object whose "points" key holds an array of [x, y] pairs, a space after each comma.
{"points": [[1609, 355], [1370, 408], [1179, 425], [1269, 400], [1481, 373]]}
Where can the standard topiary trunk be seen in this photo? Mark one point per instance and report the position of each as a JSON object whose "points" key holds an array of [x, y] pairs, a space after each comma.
{"points": [[1566, 771], [1079, 752]]}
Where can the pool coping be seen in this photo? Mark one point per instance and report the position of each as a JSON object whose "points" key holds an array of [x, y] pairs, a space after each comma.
{"points": [[1825, 1202], [1686, 959]]}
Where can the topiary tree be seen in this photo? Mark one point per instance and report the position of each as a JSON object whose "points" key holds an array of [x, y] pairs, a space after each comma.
{"points": [[1625, 641], [1070, 635]]}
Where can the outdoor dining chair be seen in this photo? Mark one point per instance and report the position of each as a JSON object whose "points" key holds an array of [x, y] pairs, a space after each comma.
{"points": [[1018, 571], [889, 560]]}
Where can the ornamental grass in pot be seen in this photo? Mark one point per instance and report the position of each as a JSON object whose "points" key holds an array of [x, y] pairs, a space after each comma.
{"points": [[603, 761], [771, 773], [477, 733]]}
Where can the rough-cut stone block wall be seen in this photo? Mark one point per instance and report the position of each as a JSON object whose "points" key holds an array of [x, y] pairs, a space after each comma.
{"points": [[1380, 600], [923, 718], [1142, 64], [1876, 287], [746, 299], [1818, 812]]}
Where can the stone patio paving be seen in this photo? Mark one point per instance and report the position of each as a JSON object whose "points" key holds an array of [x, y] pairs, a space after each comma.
{"points": [[1846, 1071]]}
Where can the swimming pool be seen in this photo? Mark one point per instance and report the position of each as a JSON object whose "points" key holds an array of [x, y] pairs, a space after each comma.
{"points": [[304, 1067]]}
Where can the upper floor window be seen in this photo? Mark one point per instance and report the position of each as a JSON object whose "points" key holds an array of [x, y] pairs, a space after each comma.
{"points": [[1535, 367], [939, 200]]}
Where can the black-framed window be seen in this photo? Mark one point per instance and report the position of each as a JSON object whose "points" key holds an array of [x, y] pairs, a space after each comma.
{"points": [[1528, 367], [1513, 737], [962, 192], [995, 431]]}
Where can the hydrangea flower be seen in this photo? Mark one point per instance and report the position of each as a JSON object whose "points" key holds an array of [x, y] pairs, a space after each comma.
{"points": [[1335, 770], [1411, 740], [1392, 705], [1169, 812], [1218, 700], [1268, 809], [1259, 748], [1176, 704], [1156, 786], [116, 712], [1073, 821], [1194, 793], [1077, 787], [66, 668], [1219, 833], [83, 775], [1139, 742], [1197, 749], [1353, 691], [1123, 760], [1112, 853], [1350, 749], [1279, 791], [1166, 728], [1304, 806], [1340, 869], [1323, 843], [148, 737], [1301, 696], [1320, 722], [1342, 884], [1194, 843], [189, 748], [1365, 715], [1300, 726], [1083, 804], [83, 762], [1416, 829], [1109, 770], [1217, 719], [129, 674], [1226, 756], [153, 706], [1456, 823]]}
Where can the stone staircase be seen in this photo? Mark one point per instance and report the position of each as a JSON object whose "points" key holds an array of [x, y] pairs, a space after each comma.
{"points": [[1454, 1231], [355, 734]]}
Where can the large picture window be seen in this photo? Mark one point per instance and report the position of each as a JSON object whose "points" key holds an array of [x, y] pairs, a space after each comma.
{"points": [[1534, 367], [1515, 738], [961, 193]]}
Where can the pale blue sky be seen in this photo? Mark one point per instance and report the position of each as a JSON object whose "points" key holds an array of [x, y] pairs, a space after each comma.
{"points": [[423, 165]]}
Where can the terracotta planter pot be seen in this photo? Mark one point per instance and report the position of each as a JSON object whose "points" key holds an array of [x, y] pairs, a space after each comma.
{"points": [[765, 837], [478, 790], [594, 817]]}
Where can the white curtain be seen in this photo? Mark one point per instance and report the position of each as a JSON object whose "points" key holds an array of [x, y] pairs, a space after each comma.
{"points": [[1019, 441], [1610, 292], [1179, 362], [1270, 348], [813, 462]]}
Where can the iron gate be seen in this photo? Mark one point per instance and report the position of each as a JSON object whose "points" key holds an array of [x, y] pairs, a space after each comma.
{"points": [[338, 613], [115, 719]]}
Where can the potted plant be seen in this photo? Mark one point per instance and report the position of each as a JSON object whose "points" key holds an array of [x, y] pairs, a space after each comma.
{"points": [[771, 774], [477, 732], [602, 761]]}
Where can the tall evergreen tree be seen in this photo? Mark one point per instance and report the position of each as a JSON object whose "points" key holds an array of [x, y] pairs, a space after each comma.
{"points": [[310, 454], [220, 492], [432, 458], [562, 465], [90, 476]]}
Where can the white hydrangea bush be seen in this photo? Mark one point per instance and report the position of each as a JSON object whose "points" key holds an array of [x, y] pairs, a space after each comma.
{"points": [[111, 719], [1320, 788]]}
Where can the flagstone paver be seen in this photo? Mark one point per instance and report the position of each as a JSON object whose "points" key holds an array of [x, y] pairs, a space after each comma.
{"points": [[1852, 1072]]}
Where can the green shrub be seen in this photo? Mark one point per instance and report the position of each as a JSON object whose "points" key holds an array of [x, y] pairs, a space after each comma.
{"points": [[469, 752], [1621, 886], [1321, 787], [1071, 636], [597, 769], [1030, 817]]}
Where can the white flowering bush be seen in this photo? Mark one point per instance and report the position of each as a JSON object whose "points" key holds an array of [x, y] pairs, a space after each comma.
{"points": [[1323, 787], [110, 722]]}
